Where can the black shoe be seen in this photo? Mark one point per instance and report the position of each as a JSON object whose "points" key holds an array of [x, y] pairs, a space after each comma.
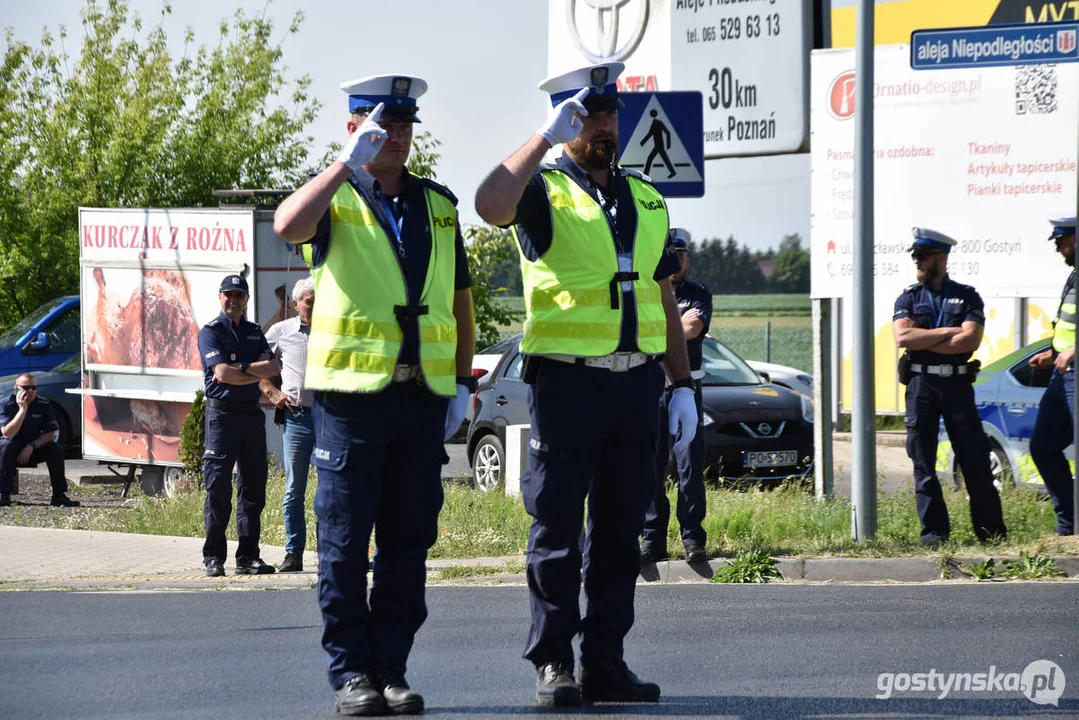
{"points": [[650, 555], [215, 567], [613, 681], [293, 562], [555, 684], [695, 553], [359, 696], [399, 697], [253, 566], [933, 540], [63, 500]]}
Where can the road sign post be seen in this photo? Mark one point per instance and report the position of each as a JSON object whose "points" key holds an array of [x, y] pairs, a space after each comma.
{"points": [[1004, 45]]}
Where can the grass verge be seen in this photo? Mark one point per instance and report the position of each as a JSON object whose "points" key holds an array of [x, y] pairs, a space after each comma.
{"points": [[786, 521]]}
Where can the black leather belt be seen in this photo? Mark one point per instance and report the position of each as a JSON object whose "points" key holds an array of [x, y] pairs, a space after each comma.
{"points": [[233, 405]]}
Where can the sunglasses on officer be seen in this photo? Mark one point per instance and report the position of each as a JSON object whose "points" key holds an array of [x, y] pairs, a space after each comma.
{"points": [[27, 387], [917, 255]]}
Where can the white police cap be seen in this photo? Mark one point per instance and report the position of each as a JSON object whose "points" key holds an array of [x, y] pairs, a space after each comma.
{"points": [[926, 239], [600, 79], [1062, 226], [397, 92], [680, 238]]}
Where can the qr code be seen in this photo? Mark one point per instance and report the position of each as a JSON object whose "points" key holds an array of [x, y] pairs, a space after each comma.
{"points": [[1035, 89]]}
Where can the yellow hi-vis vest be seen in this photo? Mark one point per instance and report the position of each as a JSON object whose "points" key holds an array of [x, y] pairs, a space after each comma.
{"points": [[573, 293], [1064, 325], [355, 336]]}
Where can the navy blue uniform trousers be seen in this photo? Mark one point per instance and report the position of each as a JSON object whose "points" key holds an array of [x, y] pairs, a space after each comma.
{"points": [[689, 465], [929, 397], [593, 435], [50, 453], [1052, 434], [234, 438], [379, 459]]}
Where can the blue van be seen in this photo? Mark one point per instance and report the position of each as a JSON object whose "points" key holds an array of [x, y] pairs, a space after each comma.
{"points": [[43, 339]]}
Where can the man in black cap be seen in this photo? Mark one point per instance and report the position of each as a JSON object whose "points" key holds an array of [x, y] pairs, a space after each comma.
{"points": [[940, 322], [695, 308], [601, 318], [1054, 426], [235, 357], [390, 360]]}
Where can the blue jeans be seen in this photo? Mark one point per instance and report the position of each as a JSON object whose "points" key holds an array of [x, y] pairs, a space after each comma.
{"points": [[299, 441]]}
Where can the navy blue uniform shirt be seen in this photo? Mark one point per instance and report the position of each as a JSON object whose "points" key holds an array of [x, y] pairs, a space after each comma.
{"points": [[222, 342], [408, 214], [692, 295], [953, 306], [534, 229], [38, 421]]}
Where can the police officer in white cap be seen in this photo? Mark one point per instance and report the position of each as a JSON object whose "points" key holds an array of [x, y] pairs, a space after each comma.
{"points": [[940, 324], [390, 359], [601, 315], [1054, 427]]}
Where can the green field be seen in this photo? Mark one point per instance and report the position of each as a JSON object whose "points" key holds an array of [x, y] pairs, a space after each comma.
{"points": [[741, 321]]}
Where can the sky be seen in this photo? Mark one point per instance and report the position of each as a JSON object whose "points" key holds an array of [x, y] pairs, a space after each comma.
{"points": [[482, 60]]}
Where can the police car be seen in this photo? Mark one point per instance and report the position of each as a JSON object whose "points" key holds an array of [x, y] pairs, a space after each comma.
{"points": [[753, 430], [1007, 393]]}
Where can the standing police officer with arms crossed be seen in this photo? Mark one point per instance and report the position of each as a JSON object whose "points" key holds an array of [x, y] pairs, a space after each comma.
{"points": [[695, 307], [1054, 427], [596, 272], [390, 360], [235, 357], [940, 322]]}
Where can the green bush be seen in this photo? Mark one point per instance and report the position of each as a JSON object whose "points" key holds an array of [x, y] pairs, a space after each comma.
{"points": [[193, 436]]}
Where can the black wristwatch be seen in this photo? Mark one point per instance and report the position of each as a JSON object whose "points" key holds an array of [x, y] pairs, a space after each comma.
{"points": [[469, 381], [683, 383], [244, 366]]}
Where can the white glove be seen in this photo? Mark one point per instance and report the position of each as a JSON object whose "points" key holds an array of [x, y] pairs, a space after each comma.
{"points": [[455, 415], [364, 144], [682, 413], [564, 125]]}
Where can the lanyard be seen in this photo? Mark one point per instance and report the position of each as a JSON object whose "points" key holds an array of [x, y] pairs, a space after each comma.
{"points": [[943, 301], [395, 224]]}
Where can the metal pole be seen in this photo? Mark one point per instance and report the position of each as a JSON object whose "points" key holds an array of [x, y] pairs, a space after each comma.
{"points": [[768, 341], [823, 470], [863, 416]]}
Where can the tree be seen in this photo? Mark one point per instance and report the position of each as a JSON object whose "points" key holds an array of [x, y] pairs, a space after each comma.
{"points": [[488, 248], [791, 269], [126, 124]]}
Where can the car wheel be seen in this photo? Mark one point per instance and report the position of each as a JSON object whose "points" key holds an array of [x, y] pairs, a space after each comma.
{"points": [[1003, 476], [63, 426], [172, 481], [488, 463]]}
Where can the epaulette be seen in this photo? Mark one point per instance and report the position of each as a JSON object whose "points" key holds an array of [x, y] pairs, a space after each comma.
{"points": [[912, 288], [638, 174], [440, 189], [213, 323], [548, 166]]}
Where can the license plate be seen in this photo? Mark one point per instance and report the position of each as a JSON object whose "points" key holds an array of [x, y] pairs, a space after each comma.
{"points": [[754, 458]]}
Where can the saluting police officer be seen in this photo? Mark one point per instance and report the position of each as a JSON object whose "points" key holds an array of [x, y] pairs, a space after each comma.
{"points": [[235, 356], [1054, 427], [695, 308], [940, 322], [390, 359], [600, 315]]}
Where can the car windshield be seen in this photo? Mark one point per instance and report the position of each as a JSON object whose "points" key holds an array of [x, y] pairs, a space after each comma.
{"points": [[722, 367], [16, 331], [502, 346]]}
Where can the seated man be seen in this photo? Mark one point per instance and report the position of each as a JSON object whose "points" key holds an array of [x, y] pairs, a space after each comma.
{"points": [[29, 437]]}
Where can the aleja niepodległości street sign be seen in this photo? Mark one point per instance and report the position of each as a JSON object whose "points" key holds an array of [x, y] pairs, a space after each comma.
{"points": [[661, 136], [1024, 44]]}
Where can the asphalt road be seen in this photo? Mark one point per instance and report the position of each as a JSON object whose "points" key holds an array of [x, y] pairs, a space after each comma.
{"points": [[753, 652]]}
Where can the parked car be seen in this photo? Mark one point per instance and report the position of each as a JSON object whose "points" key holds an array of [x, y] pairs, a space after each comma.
{"points": [[1007, 393], [753, 430], [791, 378], [43, 339], [66, 407]]}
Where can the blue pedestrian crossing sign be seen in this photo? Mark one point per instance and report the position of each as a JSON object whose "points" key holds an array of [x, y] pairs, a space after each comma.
{"points": [[662, 136]]}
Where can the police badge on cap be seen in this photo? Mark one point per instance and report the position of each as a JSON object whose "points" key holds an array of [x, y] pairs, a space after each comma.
{"points": [[599, 77]]}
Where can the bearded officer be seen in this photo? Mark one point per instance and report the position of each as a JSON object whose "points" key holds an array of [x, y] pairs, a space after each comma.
{"points": [[940, 322], [390, 360], [1054, 427], [600, 315]]}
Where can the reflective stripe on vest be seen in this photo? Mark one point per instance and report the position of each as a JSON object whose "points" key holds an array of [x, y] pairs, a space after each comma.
{"points": [[568, 290], [1064, 327], [355, 336]]}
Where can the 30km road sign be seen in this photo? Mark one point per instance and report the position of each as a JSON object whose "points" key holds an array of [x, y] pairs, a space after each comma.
{"points": [[994, 45], [660, 135]]}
